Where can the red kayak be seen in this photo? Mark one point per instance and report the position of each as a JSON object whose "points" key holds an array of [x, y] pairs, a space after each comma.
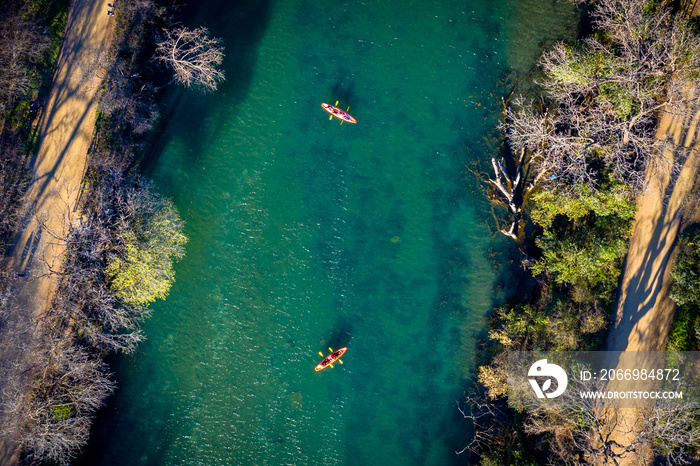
{"points": [[338, 113], [331, 358]]}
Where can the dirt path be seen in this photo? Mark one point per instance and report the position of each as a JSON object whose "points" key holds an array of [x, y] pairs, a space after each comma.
{"points": [[66, 128], [645, 310]]}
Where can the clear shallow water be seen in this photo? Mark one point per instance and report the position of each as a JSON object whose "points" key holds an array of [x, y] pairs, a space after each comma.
{"points": [[306, 234]]}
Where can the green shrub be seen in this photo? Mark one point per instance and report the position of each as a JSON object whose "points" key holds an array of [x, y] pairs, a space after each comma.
{"points": [[683, 335], [685, 290], [585, 234], [144, 272]]}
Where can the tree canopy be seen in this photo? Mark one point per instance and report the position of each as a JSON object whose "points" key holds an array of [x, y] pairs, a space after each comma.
{"points": [[582, 152], [604, 94], [143, 272], [585, 234]]}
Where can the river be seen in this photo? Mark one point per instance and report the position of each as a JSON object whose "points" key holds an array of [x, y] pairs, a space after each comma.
{"points": [[307, 235]]}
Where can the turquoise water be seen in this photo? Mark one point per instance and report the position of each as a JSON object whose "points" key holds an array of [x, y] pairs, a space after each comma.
{"points": [[306, 234]]}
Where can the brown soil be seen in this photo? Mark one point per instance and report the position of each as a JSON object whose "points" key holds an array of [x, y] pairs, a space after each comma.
{"points": [[57, 170]]}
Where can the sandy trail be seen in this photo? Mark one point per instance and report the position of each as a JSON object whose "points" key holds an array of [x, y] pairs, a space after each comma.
{"points": [[645, 310], [66, 128]]}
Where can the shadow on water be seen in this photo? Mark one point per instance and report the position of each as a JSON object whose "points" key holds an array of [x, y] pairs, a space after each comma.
{"points": [[241, 25], [344, 88], [341, 334], [109, 420]]}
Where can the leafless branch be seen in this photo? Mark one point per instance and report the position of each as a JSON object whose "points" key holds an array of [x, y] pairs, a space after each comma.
{"points": [[193, 56]]}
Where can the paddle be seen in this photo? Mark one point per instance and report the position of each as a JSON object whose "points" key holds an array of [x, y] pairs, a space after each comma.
{"points": [[341, 121], [331, 349]]}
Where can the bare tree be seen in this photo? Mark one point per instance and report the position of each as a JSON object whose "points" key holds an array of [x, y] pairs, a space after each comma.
{"points": [[193, 56], [74, 385], [604, 96], [594, 431], [609, 92], [543, 154], [488, 419], [21, 44], [85, 299], [512, 188]]}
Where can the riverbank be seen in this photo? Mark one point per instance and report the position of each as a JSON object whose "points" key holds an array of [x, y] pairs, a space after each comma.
{"points": [[600, 153], [57, 170]]}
